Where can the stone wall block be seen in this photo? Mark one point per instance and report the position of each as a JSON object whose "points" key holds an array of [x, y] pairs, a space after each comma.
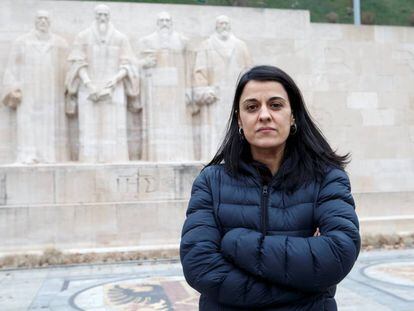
{"points": [[362, 100], [14, 227], [30, 186], [75, 184], [327, 31], [3, 189], [382, 174], [358, 34], [378, 117]]}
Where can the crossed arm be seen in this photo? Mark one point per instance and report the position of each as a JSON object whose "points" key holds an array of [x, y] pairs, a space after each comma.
{"points": [[209, 272], [307, 264]]}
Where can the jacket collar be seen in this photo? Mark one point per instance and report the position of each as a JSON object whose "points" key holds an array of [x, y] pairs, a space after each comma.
{"points": [[249, 167]]}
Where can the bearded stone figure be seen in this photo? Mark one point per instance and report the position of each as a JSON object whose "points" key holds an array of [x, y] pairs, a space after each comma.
{"points": [[33, 87], [166, 93], [101, 83], [219, 61]]}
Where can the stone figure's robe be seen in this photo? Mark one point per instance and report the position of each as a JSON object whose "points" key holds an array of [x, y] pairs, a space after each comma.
{"points": [[36, 67], [102, 123], [168, 121], [218, 64]]}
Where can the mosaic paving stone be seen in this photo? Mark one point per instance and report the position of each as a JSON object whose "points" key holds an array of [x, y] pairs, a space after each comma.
{"points": [[379, 281], [161, 294]]}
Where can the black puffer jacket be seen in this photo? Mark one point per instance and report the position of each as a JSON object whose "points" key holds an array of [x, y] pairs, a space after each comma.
{"points": [[249, 246]]}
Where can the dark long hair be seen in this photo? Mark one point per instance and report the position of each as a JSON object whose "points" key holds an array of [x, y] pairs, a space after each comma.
{"points": [[308, 150]]}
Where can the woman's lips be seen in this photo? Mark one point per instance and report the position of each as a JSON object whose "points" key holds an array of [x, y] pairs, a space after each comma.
{"points": [[266, 129]]}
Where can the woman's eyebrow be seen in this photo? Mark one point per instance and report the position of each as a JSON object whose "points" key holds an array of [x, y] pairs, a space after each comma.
{"points": [[277, 98], [254, 100], [249, 100]]}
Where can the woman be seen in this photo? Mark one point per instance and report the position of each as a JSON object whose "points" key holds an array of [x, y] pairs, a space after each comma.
{"points": [[271, 222]]}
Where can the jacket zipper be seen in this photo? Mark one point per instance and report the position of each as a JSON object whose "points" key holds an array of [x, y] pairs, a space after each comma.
{"points": [[265, 193]]}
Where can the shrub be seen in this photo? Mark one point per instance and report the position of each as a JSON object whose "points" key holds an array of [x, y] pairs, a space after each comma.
{"points": [[368, 18], [411, 18], [332, 17]]}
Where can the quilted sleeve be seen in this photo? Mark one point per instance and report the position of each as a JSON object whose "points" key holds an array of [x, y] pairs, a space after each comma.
{"points": [[205, 268], [308, 264]]}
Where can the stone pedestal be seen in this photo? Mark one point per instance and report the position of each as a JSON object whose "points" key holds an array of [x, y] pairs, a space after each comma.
{"points": [[93, 206], [133, 205]]}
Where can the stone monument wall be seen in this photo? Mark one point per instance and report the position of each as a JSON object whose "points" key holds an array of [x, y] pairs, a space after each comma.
{"points": [[357, 83], [90, 206]]}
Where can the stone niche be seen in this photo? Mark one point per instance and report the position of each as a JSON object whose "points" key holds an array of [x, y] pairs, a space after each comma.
{"points": [[70, 180]]}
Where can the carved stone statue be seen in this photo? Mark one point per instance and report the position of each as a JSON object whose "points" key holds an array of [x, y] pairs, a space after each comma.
{"points": [[168, 119], [33, 86], [219, 61], [101, 82]]}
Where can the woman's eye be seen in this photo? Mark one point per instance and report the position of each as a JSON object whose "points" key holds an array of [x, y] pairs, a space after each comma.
{"points": [[276, 105], [251, 107]]}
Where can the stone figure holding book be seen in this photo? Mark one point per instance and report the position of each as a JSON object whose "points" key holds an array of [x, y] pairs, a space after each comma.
{"points": [[101, 84]]}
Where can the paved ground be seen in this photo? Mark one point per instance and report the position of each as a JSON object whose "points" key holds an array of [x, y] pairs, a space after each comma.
{"points": [[380, 281]]}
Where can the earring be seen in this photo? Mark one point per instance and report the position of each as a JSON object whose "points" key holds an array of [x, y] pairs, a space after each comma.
{"points": [[293, 129], [241, 133]]}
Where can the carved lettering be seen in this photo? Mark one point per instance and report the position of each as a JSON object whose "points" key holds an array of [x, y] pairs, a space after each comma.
{"points": [[137, 183], [127, 183]]}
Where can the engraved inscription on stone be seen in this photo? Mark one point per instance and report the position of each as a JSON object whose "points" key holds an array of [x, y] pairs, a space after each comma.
{"points": [[127, 183], [148, 183], [137, 183]]}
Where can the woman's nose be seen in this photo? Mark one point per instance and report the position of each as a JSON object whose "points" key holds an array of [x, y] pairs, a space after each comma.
{"points": [[264, 114]]}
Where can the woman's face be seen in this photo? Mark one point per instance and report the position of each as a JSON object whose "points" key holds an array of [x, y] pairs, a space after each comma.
{"points": [[265, 115]]}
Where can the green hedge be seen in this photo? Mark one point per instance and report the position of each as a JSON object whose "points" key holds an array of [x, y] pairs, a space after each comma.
{"points": [[379, 12]]}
